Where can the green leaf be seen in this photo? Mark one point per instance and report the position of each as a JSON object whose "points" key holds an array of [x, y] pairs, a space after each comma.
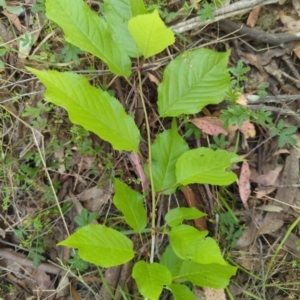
{"points": [[211, 275], [101, 245], [181, 292], [92, 108], [286, 139], [150, 278], [166, 149], [204, 165], [150, 33], [84, 29], [207, 251], [184, 239], [131, 204], [193, 80], [117, 14], [177, 215], [137, 7], [171, 261], [207, 12], [289, 130]]}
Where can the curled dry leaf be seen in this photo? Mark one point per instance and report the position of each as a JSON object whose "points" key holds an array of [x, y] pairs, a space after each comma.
{"points": [[154, 79], [253, 16], [269, 179], [244, 183], [139, 169], [268, 182], [14, 19]]}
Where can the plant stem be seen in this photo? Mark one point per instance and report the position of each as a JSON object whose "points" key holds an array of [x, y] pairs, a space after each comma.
{"points": [[153, 202]]}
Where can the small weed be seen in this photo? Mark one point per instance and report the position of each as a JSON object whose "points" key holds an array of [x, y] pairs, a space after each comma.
{"points": [[39, 7], [77, 263], [36, 252], [230, 229], [3, 51], [284, 134], [85, 218], [262, 117], [239, 73], [235, 114], [261, 91], [163, 12], [220, 142], [207, 12], [296, 264], [191, 130], [70, 53]]}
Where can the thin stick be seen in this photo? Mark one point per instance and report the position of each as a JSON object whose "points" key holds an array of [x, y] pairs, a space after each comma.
{"points": [[221, 13], [153, 199]]}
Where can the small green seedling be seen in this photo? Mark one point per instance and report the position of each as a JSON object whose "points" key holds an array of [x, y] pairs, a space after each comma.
{"points": [[191, 81]]}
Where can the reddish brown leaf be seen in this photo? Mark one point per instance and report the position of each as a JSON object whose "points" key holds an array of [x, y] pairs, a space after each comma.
{"points": [[247, 129], [210, 125]]}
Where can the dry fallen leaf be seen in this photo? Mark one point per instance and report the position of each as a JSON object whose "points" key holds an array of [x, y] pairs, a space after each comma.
{"points": [[247, 129], [153, 79], [210, 125], [296, 5], [253, 16], [296, 49], [244, 183], [14, 19], [284, 19], [271, 178], [285, 195], [136, 161], [242, 100], [215, 126], [213, 294], [94, 198]]}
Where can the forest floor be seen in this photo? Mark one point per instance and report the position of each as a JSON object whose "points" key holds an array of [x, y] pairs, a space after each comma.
{"points": [[46, 161]]}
